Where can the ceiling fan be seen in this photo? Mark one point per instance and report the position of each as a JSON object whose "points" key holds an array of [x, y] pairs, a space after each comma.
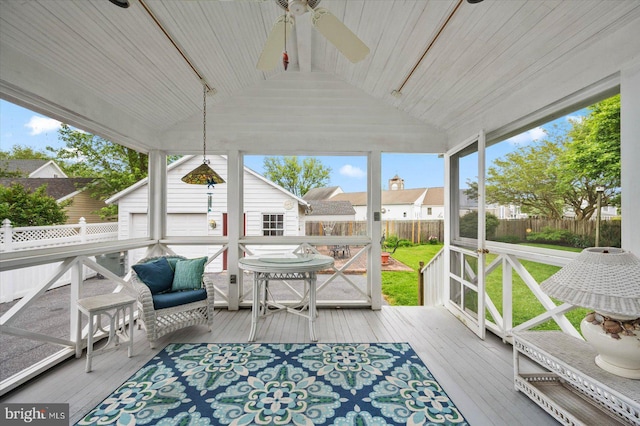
{"points": [[324, 21]]}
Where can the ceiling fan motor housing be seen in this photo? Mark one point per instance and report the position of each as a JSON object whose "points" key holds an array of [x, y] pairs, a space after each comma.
{"points": [[297, 7]]}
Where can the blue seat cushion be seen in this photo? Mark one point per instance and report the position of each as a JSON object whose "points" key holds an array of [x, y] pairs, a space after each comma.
{"points": [[177, 298], [156, 274]]}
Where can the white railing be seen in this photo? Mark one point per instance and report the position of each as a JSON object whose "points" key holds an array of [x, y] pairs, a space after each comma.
{"points": [[15, 284], [433, 273], [35, 237], [82, 257], [509, 257]]}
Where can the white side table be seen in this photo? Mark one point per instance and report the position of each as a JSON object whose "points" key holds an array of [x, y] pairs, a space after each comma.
{"points": [[574, 390], [114, 306]]}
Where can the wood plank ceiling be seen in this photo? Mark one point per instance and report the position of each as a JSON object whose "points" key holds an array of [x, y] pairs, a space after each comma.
{"points": [[113, 71]]}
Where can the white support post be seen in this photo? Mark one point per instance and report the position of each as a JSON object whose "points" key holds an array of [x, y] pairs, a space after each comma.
{"points": [[157, 213], [374, 222], [235, 228], [76, 293], [448, 223], [83, 229], [630, 155], [7, 241], [507, 295]]}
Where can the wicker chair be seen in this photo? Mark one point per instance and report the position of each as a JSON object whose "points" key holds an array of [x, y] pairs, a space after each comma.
{"points": [[158, 322]]}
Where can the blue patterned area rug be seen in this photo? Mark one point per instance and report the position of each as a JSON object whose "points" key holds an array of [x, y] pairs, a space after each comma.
{"points": [[280, 384]]}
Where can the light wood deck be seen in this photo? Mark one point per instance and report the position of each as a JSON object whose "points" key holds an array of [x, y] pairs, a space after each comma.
{"points": [[476, 374]]}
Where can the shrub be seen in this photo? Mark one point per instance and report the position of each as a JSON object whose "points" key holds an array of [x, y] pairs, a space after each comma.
{"points": [[511, 239], [433, 239], [550, 235], [405, 243], [469, 225], [25, 207]]}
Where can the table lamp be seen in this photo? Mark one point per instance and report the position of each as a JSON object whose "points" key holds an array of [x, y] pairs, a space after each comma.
{"points": [[607, 280]]}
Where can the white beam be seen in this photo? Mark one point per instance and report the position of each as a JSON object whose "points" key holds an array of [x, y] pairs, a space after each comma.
{"points": [[374, 222], [235, 222], [630, 155], [157, 214]]}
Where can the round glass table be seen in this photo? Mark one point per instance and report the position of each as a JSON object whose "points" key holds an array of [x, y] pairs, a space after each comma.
{"points": [[303, 267]]}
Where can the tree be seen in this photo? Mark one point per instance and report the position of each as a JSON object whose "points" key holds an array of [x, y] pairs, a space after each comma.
{"points": [[298, 178], [563, 170], [592, 155], [469, 225], [30, 208], [531, 178], [87, 155]]}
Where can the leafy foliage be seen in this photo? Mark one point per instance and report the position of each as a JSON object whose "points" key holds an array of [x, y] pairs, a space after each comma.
{"points": [[294, 176], [30, 208], [563, 170], [592, 153], [87, 155], [529, 177], [469, 225]]}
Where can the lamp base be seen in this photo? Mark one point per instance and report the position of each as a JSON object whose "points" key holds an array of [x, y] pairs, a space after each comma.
{"points": [[618, 371], [619, 356]]}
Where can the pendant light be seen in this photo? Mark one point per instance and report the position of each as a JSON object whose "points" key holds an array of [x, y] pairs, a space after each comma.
{"points": [[203, 174]]}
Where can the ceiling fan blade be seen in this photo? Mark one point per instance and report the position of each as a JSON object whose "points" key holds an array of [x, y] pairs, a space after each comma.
{"points": [[339, 35], [273, 47]]}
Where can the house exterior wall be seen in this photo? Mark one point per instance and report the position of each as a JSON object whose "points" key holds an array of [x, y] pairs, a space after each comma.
{"points": [[82, 205], [402, 211], [260, 198], [49, 170], [437, 212], [188, 208]]}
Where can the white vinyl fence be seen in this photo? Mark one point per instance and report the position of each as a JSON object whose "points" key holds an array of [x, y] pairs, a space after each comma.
{"points": [[17, 283]]}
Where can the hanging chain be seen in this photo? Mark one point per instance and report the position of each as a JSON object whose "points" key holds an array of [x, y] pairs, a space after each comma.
{"points": [[204, 124]]}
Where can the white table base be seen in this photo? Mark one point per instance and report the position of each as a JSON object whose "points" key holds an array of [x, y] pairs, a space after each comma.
{"points": [[262, 305]]}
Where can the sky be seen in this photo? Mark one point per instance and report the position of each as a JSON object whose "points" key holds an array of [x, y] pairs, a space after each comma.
{"points": [[20, 126]]}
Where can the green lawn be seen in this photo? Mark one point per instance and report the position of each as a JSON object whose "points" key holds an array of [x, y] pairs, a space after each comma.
{"points": [[401, 288]]}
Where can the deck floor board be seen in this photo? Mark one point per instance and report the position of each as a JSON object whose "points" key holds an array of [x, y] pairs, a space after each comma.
{"points": [[476, 374]]}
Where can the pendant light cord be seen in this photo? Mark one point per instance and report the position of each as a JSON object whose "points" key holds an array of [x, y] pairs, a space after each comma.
{"points": [[204, 124]]}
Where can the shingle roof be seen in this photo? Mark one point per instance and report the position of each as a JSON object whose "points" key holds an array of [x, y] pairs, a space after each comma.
{"points": [[434, 197], [328, 207], [56, 187], [401, 196], [320, 193], [24, 166]]}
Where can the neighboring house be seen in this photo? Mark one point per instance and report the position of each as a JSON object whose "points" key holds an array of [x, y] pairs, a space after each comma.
{"points": [[433, 204], [35, 173], [328, 212], [196, 210], [397, 203], [32, 168], [318, 194]]}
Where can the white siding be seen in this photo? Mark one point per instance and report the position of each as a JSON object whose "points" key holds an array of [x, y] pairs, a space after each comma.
{"points": [[259, 197], [437, 212], [187, 209]]}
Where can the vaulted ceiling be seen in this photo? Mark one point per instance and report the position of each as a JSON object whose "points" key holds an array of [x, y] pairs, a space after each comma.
{"points": [[458, 68]]}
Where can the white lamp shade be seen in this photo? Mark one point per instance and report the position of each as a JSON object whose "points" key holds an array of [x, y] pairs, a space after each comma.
{"points": [[605, 279]]}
